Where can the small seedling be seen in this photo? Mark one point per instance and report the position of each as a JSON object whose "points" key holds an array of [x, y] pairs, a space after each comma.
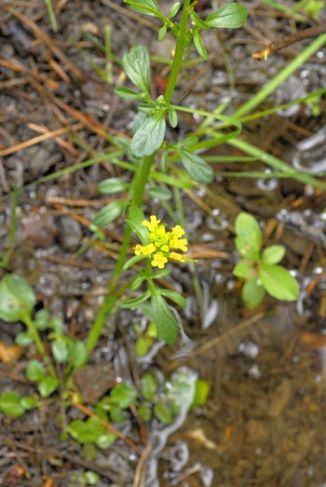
{"points": [[259, 268], [17, 302]]}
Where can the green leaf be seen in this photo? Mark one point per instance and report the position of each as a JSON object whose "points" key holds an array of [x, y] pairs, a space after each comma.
{"points": [[133, 303], [278, 282], [174, 10], [78, 354], [28, 402], [200, 45], [273, 254], [47, 385], [41, 319], [112, 185], [137, 67], [35, 371], [59, 351], [109, 213], [91, 478], [181, 389], [127, 93], [23, 339], [149, 386], [196, 167], [197, 21], [173, 117], [202, 388], [149, 136], [132, 261], [163, 412], [56, 325], [248, 240], [17, 298], [124, 395], [244, 269], [174, 296], [167, 326], [230, 16], [117, 415], [162, 32], [142, 345], [161, 193], [147, 7], [10, 404], [135, 221], [252, 293], [144, 412], [106, 440], [83, 431]]}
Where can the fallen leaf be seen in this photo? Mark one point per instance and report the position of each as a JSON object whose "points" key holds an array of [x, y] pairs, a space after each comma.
{"points": [[9, 353]]}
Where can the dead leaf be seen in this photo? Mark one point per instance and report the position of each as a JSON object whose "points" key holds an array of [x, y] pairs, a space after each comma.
{"points": [[9, 353]]}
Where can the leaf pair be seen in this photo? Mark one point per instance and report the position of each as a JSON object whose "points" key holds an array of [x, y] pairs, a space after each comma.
{"points": [[259, 269]]}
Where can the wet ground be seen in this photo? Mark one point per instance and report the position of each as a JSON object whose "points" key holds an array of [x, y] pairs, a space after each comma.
{"points": [[264, 421]]}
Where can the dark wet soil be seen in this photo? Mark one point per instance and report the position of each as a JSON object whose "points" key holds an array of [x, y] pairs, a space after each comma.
{"points": [[264, 421]]}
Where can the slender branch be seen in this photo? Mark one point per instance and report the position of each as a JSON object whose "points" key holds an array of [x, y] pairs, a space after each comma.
{"points": [[288, 41], [178, 55]]}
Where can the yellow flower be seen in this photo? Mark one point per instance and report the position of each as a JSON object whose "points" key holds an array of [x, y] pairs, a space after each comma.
{"points": [[161, 243], [159, 260]]}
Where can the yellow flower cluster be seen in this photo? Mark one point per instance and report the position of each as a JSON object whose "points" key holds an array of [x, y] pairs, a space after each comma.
{"points": [[162, 244]]}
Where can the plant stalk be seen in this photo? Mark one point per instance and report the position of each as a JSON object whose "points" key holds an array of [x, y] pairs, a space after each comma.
{"points": [[178, 55], [136, 192]]}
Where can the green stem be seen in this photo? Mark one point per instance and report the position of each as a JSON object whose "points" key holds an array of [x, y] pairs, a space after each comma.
{"points": [[135, 197], [178, 55], [286, 72], [32, 330], [136, 193]]}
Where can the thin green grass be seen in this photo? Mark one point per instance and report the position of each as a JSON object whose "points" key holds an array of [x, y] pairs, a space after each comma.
{"points": [[282, 76], [276, 163], [52, 17]]}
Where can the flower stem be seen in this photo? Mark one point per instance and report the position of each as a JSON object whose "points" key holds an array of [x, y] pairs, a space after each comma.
{"points": [[32, 330], [135, 197], [178, 55], [136, 193]]}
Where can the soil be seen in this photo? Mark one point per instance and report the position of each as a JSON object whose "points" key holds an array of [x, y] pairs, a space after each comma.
{"points": [[264, 421]]}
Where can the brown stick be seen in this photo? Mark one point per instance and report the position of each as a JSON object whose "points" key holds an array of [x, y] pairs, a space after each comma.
{"points": [[288, 41]]}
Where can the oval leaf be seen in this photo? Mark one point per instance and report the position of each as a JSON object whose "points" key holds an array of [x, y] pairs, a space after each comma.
{"points": [[124, 395], [109, 213], [10, 404], [273, 254], [167, 325], [231, 16], [278, 282], [244, 269], [136, 65], [47, 385], [17, 298], [35, 371], [147, 7], [199, 45], [126, 93], [196, 167], [149, 136], [59, 351], [252, 294], [112, 185], [248, 240]]}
